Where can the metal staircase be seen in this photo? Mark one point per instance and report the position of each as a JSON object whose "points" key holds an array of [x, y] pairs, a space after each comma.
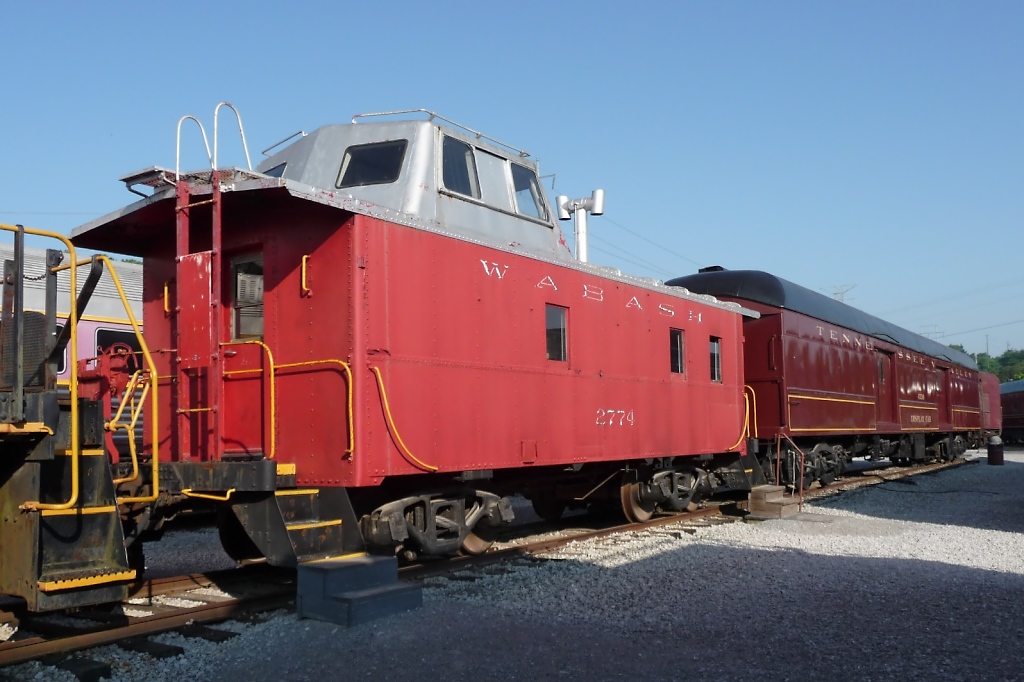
{"points": [[62, 537]]}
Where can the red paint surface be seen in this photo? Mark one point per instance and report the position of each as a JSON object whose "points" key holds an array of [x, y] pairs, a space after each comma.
{"points": [[461, 351]]}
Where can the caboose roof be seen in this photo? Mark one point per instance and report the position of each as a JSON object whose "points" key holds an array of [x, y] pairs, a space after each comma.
{"points": [[766, 289], [409, 179], [311, 170]]}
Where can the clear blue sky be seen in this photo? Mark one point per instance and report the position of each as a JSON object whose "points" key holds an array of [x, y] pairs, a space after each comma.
{"points": [[875, 144]]}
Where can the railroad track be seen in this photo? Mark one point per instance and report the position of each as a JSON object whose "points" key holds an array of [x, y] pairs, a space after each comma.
{"points": [[554, 536], [183, 603], [190, 603]]}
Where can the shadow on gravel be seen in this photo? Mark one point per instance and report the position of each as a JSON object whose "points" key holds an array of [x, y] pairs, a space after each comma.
{"points": [[687, 610], [976, 495]]}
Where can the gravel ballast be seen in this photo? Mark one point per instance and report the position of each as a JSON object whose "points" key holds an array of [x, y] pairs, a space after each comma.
{"points": [[920, 578]]}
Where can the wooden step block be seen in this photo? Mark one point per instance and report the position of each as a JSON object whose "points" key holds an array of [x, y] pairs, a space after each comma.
{"points": [[767, 493], [775, 511], [758, 505]]}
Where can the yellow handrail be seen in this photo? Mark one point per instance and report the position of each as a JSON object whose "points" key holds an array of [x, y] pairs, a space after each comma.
{"points": [[73, 382], [154, 397], [753, 401], [136, 411], [348, 381], [394, 430], [273, 396], [167, 297], [305, 289], [745, 431], [187, 492]]}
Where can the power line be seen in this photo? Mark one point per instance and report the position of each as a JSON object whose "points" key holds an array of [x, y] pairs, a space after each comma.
{"points": [[649, 264], [632, 262], [944, 299], [981, 329], [660, 246]]}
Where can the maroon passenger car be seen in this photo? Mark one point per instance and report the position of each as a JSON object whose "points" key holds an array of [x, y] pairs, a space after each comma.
{"points": [[840, 383], [1013, 410]]}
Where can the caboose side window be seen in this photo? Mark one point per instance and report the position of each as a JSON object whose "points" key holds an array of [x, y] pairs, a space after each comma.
{"points": [[458, 171], [371, 164], [527, 191], [247, 305], [676, 351], [716, 359], [557, 337]]}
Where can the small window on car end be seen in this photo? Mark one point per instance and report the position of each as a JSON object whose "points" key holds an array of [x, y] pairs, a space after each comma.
{"points": [[378, 163], [277, 171]]}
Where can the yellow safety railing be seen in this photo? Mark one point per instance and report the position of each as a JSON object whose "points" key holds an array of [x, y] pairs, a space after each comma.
{"points": [[745, 430], [273, 397], [273, 370], [153, 395], [136, 411], [348, 383], [73, 382], [747, 421]]}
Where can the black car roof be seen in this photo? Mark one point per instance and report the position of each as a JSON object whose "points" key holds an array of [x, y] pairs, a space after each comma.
{"points": [[767, 289]]}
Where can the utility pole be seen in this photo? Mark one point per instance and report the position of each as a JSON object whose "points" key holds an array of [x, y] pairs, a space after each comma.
{"points": [[839, 293]]}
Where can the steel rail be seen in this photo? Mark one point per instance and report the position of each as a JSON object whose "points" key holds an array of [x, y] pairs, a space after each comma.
{"points": [[269, 591], [858, 479], [264, 594]]}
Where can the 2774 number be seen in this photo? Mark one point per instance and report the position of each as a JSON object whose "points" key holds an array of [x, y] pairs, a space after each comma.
{"points": [[615, 418]]}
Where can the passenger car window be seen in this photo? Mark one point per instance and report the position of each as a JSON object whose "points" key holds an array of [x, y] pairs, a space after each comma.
{"points": [[527, 191], [458, 171], [371, 164]]}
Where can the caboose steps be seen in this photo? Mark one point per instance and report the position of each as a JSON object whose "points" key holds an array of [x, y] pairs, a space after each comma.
{"points": [[298, 525], [354, 589], [769, 502]]}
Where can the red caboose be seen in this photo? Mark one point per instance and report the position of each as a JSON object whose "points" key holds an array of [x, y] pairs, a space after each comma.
{"points": [[381, 334], [840, 383]]}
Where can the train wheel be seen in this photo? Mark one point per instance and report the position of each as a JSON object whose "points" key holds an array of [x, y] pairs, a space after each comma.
{"points": [[548, 507], [635, 509], [827, 467]]}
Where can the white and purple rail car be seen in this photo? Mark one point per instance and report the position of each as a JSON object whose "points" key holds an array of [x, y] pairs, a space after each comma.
{"points": [[106, 325]]}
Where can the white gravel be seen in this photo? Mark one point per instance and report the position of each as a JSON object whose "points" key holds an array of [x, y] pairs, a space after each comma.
{"points": [[907, 580]]}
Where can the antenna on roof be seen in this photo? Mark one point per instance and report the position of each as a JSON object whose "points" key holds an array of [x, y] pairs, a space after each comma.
{"points": [[594, 205]]}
